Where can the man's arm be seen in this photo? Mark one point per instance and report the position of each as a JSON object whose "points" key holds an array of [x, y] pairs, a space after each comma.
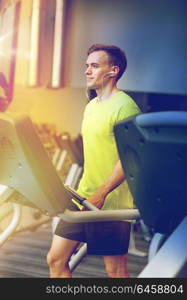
{"points": [[116, 178]]}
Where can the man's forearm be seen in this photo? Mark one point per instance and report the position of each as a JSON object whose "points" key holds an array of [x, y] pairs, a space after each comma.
{"points": [[116, 178]]}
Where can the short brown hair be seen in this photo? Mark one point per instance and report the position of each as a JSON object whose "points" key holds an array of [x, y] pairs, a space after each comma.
{"points": [[116, 56]]}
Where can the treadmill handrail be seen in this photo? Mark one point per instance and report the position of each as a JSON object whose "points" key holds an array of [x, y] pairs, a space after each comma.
{"points": [[100, 215], [11, 228]]}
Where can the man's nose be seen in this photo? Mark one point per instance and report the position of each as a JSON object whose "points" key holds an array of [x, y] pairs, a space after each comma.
{"points": [[88, 71]]}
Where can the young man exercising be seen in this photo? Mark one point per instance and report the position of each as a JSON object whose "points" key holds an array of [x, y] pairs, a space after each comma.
{"points": [[103, 182]]}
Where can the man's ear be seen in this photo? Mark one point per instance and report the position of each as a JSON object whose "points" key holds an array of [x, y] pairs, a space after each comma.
{"points": [[114, 72]]}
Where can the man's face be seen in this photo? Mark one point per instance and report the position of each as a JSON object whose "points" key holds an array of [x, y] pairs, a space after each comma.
{"points": [[97, 67]]}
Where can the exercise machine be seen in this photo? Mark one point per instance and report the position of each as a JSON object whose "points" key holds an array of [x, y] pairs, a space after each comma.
{"points": [[153, 151]]}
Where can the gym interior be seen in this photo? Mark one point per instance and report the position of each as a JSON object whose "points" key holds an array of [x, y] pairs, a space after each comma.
{"points": [[43, 45]]}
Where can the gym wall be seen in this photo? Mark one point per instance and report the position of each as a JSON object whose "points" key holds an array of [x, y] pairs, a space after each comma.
{"points": [[64, 106], [152, 33]]}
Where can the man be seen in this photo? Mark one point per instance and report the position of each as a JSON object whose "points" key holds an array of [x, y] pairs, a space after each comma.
{"points": [[103, 181]]}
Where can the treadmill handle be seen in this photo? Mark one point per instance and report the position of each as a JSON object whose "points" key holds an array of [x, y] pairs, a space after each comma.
{"points": [[80, 199]]}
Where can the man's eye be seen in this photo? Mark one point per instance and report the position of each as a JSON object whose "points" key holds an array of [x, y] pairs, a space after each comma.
{"points": [[93, 66]]}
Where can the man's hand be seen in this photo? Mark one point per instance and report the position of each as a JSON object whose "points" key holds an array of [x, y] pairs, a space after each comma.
{"points": [[97, 199]]}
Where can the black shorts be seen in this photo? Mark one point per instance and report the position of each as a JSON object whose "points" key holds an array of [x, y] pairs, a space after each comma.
{"points": [[102, 238]]}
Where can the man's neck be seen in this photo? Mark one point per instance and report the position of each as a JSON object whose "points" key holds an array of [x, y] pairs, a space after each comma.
{"points": [[106, 93]]}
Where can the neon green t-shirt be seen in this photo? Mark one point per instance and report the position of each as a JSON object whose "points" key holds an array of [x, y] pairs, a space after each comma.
{"points": [[100, 151]]}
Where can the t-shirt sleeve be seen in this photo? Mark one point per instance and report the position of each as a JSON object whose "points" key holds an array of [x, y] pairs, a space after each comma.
{"points": [[127, 111]]}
